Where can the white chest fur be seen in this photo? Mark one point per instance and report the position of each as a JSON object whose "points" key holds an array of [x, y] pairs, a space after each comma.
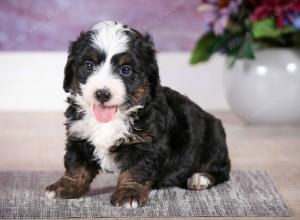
{"points": [[102, 136]]}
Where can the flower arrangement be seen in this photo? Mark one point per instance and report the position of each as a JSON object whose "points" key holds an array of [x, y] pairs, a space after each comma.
{"points": [[238, 27]]}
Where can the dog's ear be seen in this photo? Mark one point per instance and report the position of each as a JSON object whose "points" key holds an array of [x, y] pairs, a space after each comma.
{"points": [[147, 53], [69, 72], [69, 68], [74, 49], [152, 71]]}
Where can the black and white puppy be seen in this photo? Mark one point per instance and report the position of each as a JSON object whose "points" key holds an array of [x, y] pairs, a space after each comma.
{"points": [[121, 120]]}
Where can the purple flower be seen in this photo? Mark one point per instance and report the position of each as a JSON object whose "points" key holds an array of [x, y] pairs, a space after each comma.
{"points": [[216, 13], [294, 19]]}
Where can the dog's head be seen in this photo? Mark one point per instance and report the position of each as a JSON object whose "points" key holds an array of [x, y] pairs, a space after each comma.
{"points": [[111, 68]]}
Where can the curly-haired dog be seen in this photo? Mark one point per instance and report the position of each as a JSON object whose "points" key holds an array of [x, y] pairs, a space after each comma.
{"points": [[121, 120]]}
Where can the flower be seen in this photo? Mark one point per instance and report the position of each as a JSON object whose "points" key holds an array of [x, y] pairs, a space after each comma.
{"points": [[216, 13], [281, 10], [294, 19], [264, 23]]}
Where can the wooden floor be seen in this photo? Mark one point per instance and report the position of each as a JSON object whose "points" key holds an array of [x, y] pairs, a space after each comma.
{"points": [[35, 141]]}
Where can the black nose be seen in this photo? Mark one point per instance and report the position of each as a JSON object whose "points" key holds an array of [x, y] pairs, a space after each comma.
{"points": [[102, 95]]}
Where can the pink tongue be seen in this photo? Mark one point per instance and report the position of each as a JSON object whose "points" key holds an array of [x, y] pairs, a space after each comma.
{"points": [[104, 113]]}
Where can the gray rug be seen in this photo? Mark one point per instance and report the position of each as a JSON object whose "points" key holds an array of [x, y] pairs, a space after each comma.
{"points": [[248, 193]]}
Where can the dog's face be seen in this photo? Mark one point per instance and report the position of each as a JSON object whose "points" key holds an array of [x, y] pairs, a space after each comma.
{"points": [[111, 68]]}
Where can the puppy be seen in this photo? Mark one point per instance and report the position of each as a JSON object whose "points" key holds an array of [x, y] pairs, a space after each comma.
{"points": [[121, 120]]}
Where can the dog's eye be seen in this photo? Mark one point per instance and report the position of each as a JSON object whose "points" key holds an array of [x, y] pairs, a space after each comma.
{"points": [[89, 66], [125, 70]]}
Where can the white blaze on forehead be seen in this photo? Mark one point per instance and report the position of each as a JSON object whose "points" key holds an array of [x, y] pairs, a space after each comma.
{"points": [[110, 37]]}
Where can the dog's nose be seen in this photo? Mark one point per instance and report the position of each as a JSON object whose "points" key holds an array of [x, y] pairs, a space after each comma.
{"points": [[102, 95]]}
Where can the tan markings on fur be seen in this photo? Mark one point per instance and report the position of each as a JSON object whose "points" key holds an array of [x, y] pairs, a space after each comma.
{"points": [[138, 139], [123, 60], [91, 55], [134, 139], [74, 183], [75, 85], [129, 190], [139, 94]]}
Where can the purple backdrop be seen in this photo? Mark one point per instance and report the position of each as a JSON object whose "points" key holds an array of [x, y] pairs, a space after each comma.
{"points": [[50, 25]]}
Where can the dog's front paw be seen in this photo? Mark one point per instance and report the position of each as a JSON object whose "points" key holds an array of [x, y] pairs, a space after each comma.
{"points": [[65, 189], [129, 198]]}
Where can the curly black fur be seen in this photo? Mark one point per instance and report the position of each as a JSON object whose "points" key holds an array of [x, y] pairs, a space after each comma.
{"points": [[178, 138]]}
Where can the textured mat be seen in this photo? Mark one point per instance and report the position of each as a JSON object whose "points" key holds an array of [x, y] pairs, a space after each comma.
{"points": [[248, 193]]}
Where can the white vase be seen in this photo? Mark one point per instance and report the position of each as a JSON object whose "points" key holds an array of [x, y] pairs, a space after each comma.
{"points": [[266, 90]]}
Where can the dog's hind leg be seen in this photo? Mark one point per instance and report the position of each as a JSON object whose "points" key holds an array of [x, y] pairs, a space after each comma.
{"points": [[207, 178], [200, 181], [215, 163]]}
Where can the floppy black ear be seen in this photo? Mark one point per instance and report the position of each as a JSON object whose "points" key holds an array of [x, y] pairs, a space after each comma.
{"points": [[74, 49], [153, 77], [151, 64], [69, 72], [147, 53]]}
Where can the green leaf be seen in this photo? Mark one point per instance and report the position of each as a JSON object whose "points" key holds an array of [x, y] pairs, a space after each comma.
{"points": [[204, 48], [241, 47], [246, 50], [267, 29], [224, 41], [243, 50], [237, 46]]}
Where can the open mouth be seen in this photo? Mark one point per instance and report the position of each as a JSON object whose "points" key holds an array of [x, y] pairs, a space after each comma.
{"points": [[104, 113]]}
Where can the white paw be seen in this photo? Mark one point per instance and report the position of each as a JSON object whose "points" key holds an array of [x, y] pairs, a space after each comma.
{"points": [[131, 205], [198, 181], [50, 194]]}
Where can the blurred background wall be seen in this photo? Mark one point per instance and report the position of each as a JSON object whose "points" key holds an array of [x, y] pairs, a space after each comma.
{"points": [[34, 36]]}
